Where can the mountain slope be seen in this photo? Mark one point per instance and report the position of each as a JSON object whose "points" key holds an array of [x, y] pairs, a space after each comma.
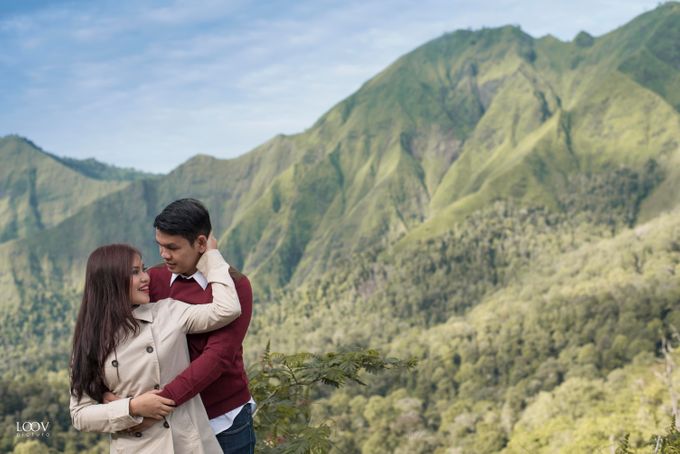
{"points": [[38, 191], [464, 120], [99, 171], [524, 303], [597, 116]]}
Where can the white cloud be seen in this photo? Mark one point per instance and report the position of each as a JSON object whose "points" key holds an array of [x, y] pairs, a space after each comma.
{"points": [[183, 12]]}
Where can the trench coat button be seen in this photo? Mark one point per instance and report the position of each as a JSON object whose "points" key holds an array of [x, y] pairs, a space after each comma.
{"points": [[149, 349], [138, 434], [156, 386], [114, 363], [166, 425]]}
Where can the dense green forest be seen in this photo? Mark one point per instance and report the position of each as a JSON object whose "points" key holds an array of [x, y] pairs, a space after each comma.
{"points": [[509, 311], [476, 252], [513, 304]]}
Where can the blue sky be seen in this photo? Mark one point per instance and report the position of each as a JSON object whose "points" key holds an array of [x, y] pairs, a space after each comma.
{"points": [[148, 84]]}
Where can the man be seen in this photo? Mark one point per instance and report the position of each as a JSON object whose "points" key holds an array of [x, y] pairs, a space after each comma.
{"points": [[216, 370]]}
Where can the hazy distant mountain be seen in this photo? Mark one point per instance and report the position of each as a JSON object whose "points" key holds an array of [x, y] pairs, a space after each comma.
{"points": [[100, 171], [38, 190]]}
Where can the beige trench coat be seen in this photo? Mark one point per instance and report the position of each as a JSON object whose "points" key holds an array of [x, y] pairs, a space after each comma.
{"points": [[152, 359]]}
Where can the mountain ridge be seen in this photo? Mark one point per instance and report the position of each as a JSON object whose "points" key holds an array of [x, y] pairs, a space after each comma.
{"points": [[38, 190], [397, 150]]}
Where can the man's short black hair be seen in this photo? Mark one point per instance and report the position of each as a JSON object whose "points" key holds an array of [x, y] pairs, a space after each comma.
{"points": [[187, 218]]}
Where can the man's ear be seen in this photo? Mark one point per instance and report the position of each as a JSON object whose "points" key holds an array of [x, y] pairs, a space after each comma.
{"points": [[202, 241]]}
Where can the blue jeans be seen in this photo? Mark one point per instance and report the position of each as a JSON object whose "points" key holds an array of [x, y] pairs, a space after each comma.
{"points": [[240, 437]]}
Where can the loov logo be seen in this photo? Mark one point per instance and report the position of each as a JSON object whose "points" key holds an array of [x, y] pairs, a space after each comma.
{"points": [[33, 429]]}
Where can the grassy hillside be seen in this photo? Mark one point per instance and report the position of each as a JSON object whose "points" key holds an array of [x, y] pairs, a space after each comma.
{"points": [[37, 191]]}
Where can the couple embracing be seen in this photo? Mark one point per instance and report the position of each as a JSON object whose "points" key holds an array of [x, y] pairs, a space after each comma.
{"points": [[147, 342]]}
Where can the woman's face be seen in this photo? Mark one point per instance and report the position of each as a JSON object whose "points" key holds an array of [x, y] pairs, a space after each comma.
{"points": [[139, 282]]}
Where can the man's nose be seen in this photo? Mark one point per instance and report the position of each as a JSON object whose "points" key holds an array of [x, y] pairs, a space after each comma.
{"points": [[164, 253]]}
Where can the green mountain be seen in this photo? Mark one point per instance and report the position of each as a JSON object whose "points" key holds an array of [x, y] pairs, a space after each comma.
{"points": [[466, 119], [503, 208], [38, 190]]}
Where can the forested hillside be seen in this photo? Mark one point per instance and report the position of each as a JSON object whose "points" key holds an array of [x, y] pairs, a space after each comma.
{"points": [[504, 209]]}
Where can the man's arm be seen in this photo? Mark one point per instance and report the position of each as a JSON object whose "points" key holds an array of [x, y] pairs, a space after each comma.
{"points": [[88, 415], [117, 414], [219, 352]]}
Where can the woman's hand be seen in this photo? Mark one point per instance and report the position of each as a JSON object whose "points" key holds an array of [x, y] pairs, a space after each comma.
{"points": [[151, 405], [109, 397], [212, 241]]}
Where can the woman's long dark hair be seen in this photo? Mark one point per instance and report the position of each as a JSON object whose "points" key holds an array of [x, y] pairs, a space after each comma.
{"points": [[105, 317]]}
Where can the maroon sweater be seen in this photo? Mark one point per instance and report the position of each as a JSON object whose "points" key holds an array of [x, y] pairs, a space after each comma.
{"points": [[216, 370]]}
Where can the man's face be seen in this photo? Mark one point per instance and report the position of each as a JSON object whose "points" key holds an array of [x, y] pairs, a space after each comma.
{"points": [[179, 255]]}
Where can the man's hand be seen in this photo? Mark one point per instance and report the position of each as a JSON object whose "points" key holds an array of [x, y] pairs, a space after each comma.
{"points": [[109, 397], [142, 426]]}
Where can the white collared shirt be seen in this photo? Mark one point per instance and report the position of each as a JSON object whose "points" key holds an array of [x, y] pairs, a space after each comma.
{"points": [[225, 421], [197, 276]]}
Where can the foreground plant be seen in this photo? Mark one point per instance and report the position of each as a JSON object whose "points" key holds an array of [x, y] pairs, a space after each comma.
{"points": [[282, 384]]}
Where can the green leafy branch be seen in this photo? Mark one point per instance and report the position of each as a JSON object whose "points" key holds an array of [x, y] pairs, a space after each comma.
{"points": [[668, 443], [281, 384]]}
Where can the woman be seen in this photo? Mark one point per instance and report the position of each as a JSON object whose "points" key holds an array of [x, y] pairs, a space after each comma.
{"points": [[121, 344]]}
